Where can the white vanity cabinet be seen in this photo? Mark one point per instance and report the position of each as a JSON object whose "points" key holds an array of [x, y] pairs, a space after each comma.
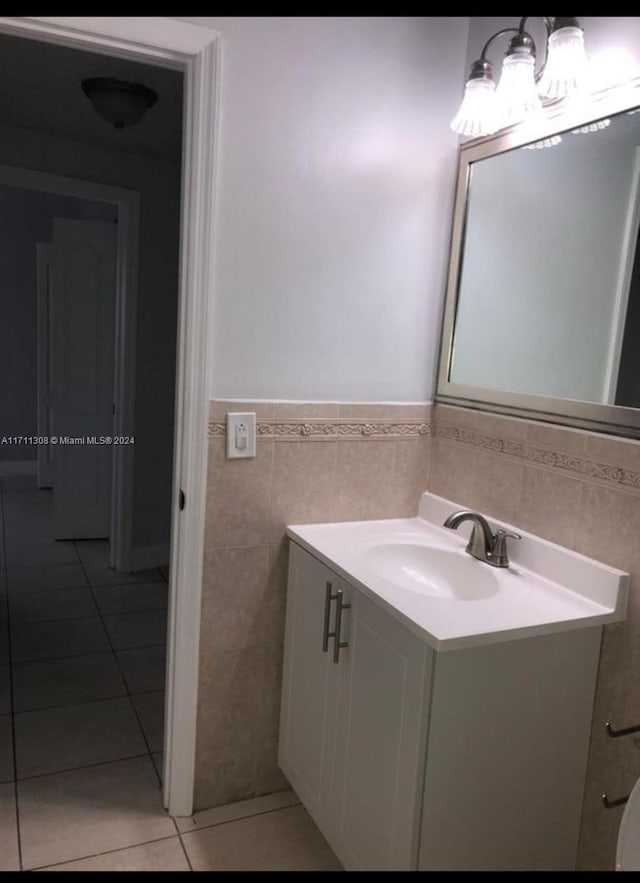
{"points": [[471, 758], [353, 731]]}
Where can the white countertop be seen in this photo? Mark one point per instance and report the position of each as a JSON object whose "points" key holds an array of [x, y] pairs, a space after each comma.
{"points": [[546, 588]]}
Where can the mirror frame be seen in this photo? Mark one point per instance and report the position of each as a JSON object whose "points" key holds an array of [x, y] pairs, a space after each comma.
{"points": [[587, 415]]}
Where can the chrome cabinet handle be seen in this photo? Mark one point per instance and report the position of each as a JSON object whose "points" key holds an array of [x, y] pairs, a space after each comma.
{"points": [[326, 634], [337, 643]]}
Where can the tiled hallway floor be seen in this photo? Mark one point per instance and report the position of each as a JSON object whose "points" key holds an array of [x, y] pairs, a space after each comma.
{"points": [[82, 658]]}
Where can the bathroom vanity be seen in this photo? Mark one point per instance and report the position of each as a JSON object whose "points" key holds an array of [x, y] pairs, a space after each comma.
{"points": [[436, 711]]}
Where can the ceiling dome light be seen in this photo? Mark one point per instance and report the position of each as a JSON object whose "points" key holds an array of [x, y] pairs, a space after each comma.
{"points": [[565, 70], [118, 102], [477, 115]]}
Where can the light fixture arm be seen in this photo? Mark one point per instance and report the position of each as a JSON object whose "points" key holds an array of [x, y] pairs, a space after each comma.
{"points": [[485, 48], [482, 67]]}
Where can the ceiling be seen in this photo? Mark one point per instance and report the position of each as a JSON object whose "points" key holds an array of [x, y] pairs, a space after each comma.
{"points": [[40, 90]]}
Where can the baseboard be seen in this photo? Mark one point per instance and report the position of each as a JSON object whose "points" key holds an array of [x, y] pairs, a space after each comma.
{"points": [[144, 557]]}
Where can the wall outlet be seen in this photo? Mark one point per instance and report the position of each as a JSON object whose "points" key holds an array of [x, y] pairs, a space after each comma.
{"points": [[241, 435]]}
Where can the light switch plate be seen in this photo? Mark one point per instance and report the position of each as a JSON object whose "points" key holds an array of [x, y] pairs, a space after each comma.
{"points": [[241, 434]]}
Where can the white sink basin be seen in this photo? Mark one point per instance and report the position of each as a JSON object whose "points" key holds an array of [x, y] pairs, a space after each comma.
{"points": [[419, 571], [439, 573]]}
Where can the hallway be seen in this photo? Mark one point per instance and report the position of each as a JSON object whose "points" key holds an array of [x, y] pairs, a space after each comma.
{"points": [[82, 659], [82, 669]]}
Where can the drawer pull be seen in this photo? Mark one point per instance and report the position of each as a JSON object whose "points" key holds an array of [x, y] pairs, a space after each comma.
{"points": [[326, 634], [337, 643]]}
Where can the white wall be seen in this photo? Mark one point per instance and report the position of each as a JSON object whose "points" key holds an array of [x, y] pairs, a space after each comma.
{"points": [[335, 190], [26, 219], [158, 184]]}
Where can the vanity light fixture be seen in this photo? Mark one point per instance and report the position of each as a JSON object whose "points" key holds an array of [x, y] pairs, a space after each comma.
{"points": [[485, 108]]}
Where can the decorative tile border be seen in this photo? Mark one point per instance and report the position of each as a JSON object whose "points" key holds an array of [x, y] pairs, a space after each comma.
{"points": [[574, 464], [331, 430]]}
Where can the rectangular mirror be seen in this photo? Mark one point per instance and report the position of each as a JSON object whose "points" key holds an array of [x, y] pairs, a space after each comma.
{"points": [[542, 311]]}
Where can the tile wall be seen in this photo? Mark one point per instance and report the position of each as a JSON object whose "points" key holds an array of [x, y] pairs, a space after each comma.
{"points": [[329, 462], [582, 490], [314, 463]]}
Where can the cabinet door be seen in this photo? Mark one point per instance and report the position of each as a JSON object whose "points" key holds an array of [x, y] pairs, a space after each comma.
{"points": [[309, 687], [385, 675]]}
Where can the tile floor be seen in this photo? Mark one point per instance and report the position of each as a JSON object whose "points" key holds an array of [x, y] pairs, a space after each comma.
{"points": [[82, 657]]}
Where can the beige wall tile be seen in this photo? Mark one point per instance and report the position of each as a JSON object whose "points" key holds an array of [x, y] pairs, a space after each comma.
{"points": [[269, 776], [234, 585], [283, 411], [618, 696], [482, 422], [614, 449], [609, 523], [464, 418], [451, 473], [633, 609], [391, 412], [496, 485], [275, 596], [614, 764], [599, 829], [363, 490], [238, 717], [558, 438], [228, 730], [263, 409], [409, 476], [303, 484], [500, 426], [550, 506], [238, 497]]}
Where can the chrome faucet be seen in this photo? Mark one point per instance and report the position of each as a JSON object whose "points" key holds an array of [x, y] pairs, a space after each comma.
{"points": [[483, 543]]}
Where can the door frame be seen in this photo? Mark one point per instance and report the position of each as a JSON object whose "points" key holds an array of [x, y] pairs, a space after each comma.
{"points": [[126, 202], [195, 51]]}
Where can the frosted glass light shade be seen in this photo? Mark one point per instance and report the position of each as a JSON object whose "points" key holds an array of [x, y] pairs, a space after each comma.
{"points": [[565, 71], [517, 95], [477, 115]]}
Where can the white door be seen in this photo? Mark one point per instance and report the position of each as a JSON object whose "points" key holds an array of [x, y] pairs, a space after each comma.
{"points": [[82, 353], [44, 430]]}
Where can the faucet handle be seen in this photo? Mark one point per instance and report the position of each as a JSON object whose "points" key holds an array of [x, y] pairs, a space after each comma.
{"points": [[499, 557]]}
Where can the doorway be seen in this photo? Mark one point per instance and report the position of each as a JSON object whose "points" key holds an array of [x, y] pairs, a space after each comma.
{"points": [[193, 50]]}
